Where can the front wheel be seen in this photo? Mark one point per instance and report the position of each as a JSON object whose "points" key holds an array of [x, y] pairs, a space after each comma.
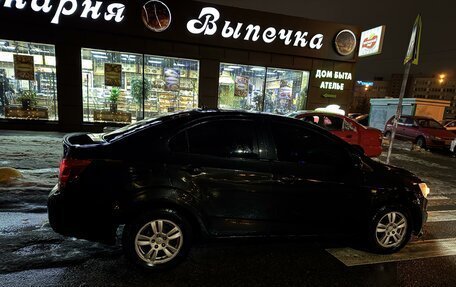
{"points": [[157, 241], [390, 230], [421, 142]]}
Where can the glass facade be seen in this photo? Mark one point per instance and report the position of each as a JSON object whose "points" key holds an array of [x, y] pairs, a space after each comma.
{"points": [[264, 89], [125, 87], [28, 84]]}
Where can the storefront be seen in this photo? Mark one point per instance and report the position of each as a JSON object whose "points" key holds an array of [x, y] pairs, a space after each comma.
{"points": [[82, 65]]}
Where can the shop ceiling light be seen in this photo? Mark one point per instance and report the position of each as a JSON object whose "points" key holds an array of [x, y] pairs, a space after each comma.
{"points": [[98, 53], [257, 69], [235, 67], [228, 69], [100, 56], [179, 65]]}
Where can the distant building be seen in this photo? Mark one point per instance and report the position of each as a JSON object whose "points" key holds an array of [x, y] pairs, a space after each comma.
{"points": [[435, 88], [418, 86], [364, 91]]}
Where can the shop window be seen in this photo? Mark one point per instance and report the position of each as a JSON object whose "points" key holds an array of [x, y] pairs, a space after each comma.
{"points": [[256, 88], [28, 85], [125, 87], [241, 87], [286, 90], [171, 84], [107, 93]]}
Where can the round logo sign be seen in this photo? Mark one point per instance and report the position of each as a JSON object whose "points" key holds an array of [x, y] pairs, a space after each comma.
{"points": [[156, 16], [345, 42]]}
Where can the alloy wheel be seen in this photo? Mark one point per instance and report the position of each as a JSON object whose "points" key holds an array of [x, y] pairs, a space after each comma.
{"points": [[158, 241], [391, 229]]}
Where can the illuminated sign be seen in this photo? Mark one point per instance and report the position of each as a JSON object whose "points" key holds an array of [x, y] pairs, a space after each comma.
{"points": [[365, 84], [92, 9], [371, 41], [331, 85], [206, 24]]}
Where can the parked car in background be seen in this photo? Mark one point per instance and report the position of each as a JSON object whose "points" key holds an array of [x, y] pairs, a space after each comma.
{"points": [[425, 132], [451, 126], [369, 139], [353, 115], [218, 174], [363, 119]]}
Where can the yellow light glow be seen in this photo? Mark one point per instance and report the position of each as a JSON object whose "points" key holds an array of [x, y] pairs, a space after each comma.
{"points": [[425, 190]]}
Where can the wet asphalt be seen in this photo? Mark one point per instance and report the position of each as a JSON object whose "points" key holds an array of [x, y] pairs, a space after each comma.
{"points": [[33, 255]]}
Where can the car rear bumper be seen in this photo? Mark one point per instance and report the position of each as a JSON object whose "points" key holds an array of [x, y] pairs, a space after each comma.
{"points": [[74, 218]]}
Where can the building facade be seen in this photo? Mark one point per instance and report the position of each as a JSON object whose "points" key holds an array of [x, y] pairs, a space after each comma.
{"points": [[72, 65]]}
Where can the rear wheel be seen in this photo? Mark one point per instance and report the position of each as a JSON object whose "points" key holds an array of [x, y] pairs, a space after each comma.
{"points": [[157, 241], [390, 230], [421, 142]]}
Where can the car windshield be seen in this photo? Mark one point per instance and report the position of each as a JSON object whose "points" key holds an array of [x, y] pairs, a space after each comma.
{"points": [[433, 124]]}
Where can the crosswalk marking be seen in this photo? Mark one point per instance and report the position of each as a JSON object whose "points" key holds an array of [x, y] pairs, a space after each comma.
{"points": [[442, 215], [437, 197], [413, 250]]}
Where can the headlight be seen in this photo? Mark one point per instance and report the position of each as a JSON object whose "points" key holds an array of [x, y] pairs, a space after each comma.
{"points": [[424, 189]]}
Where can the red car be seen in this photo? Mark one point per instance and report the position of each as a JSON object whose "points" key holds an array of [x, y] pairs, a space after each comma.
{"points": [[369, 139], [425, 132]]}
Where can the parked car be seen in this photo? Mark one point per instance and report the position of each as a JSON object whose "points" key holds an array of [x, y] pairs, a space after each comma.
{"points": [[212, 174], [425, 132], [369, 139], [363, 119], [353, 115], [451, 126]]}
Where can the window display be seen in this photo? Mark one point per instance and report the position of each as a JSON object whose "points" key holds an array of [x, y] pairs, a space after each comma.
{"points": [[173, 84], [262, 89], [107, 77], [125, 87], [241, 87], [28, 85], [286, 90]]}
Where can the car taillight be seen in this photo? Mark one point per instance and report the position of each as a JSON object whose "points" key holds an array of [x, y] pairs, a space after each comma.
{"points": [[71, 168]]}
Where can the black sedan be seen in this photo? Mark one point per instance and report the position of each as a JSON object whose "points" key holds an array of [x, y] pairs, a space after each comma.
{"points": [[213, 174]]}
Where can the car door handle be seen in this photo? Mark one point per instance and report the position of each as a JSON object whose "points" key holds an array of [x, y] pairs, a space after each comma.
{"points": [[193, 170]]}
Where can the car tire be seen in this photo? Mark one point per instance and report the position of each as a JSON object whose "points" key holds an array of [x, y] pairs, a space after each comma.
{"points": [[157, 241], [390, 229], [421, 142]]}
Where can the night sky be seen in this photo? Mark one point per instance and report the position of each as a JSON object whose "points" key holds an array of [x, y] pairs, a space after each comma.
{"points": [[438, 38]]}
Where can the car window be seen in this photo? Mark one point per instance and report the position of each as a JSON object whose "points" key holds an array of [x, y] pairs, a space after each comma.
{"points": [[409, 122], [426, 123], [303, 146], [222, 138], [401, 121], [179, 143], [348, 126], [332, 123]]}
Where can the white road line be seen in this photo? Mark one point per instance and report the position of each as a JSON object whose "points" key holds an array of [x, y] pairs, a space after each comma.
{"points": [[413, 250], [437, 197], [441, 215]]}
